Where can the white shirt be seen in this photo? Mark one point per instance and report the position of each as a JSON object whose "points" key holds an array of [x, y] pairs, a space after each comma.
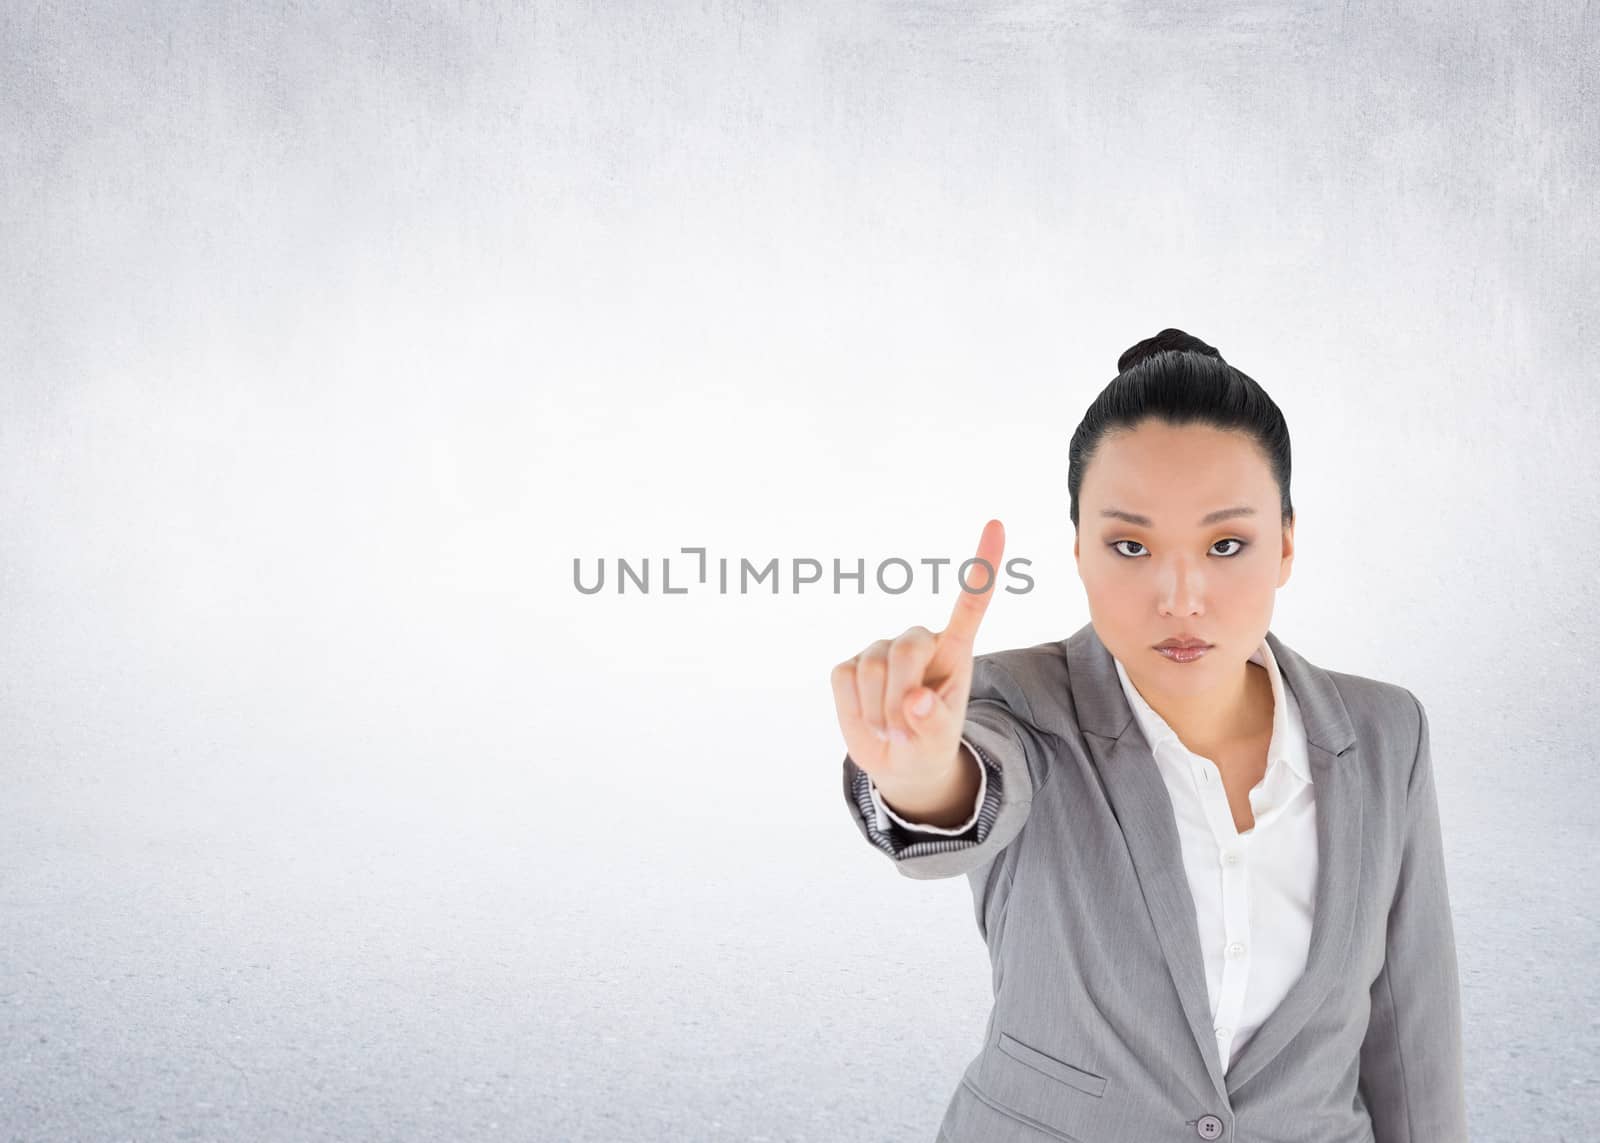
{"points": [[1253, 891]]}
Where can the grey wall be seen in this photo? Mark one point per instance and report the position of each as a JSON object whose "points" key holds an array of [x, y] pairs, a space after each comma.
{"points": [[330, 335]]}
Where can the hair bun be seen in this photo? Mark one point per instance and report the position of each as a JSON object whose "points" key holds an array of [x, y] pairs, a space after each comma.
{"points": [[1168, 339]]}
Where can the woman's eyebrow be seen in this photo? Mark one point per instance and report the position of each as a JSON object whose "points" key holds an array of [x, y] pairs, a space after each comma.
{"points": [[1209, 518]]}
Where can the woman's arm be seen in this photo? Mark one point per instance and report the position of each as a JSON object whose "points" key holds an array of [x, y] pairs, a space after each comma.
{"points": [[1411, 1060]]}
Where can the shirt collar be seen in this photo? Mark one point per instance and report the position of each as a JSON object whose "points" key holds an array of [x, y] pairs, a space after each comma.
{"points": [[1288, 743]]}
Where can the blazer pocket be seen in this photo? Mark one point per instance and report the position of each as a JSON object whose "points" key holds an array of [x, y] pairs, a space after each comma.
{"points": [[1056, 1069]]}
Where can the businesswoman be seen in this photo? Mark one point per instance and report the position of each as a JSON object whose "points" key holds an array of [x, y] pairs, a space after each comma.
{"points": [[1209, 872]]}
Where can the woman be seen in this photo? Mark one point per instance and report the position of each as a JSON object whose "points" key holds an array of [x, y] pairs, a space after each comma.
{"points": [[1209, 873]]}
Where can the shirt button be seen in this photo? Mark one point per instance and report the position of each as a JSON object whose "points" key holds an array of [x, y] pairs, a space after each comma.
{"points": [[1231, 857], [1208, 1127], [1236, 949], [1224, 1033]]}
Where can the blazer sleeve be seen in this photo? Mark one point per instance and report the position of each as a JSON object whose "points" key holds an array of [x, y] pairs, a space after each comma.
{"points": [[1014, 767], [1411, 1060]]}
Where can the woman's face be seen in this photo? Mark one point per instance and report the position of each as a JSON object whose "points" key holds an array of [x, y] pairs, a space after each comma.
{"points": [[1173, 574]]}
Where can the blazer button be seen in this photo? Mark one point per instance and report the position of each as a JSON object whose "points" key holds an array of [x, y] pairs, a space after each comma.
{"points": [[1208, 1127]]}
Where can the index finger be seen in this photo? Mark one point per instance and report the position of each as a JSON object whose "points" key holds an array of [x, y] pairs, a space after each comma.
{"points": [[970, 606]]}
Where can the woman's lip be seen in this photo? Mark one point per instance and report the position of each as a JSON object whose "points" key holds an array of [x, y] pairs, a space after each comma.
{"points": [[1184, 654]]}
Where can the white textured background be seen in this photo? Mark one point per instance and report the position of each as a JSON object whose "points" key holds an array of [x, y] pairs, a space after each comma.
{"points": [[330, 334]]}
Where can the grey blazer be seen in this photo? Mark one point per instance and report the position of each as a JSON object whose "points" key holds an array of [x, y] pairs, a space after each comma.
{"points": [[1101, 1029]]}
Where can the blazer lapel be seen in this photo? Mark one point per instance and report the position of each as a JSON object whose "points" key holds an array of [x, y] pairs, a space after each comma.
{"points": [[1139, 799], [1142, 806], [1336, 770]]}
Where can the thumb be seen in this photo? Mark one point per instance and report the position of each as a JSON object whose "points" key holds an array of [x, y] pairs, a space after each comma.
{"points": [[924, 708]]}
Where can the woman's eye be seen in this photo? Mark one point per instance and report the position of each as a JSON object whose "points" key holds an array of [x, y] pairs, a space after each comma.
{"points": [[1134, 555]]}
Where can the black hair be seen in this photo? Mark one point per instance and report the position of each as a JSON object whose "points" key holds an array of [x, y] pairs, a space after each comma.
{"points": [[1176, 378]]}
